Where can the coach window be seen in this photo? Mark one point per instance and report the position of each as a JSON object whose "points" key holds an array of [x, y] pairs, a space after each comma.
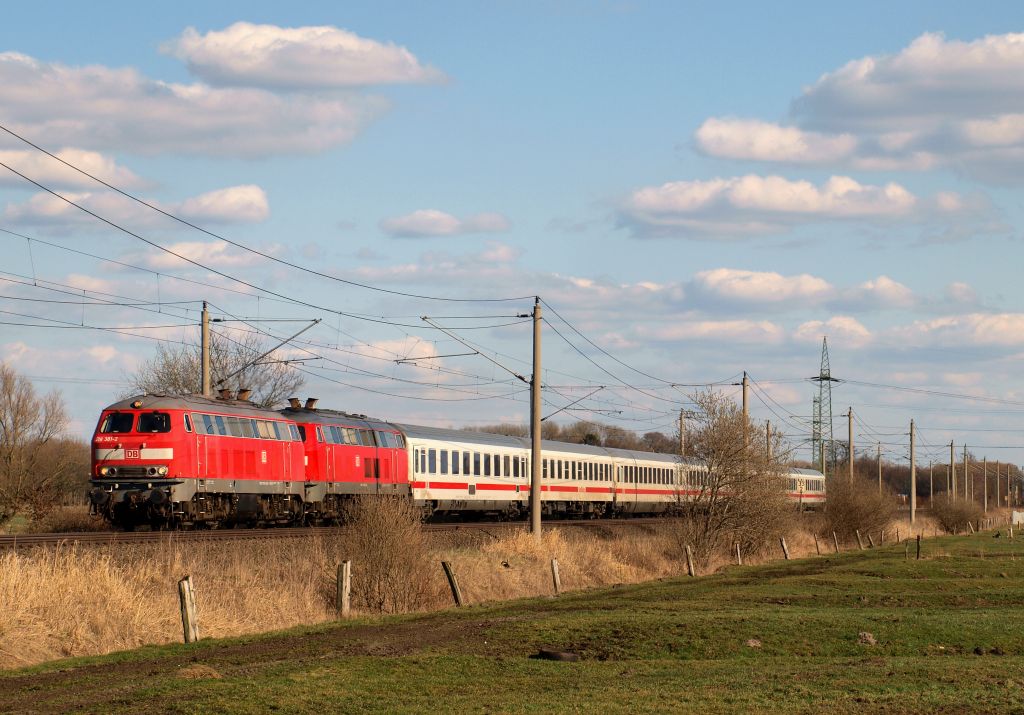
{"points": [[487, 465], [423, 461], [444, 461], [544, 468], [456, 462], [432, 461], [515, 466], [508, 466], [467, 458]]}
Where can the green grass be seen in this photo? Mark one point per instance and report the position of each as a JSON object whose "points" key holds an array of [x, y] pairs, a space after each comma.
{"points": [[949, 631]]}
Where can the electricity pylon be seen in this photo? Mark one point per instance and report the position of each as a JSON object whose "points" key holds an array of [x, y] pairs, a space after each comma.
{"points": [[824, 446]]}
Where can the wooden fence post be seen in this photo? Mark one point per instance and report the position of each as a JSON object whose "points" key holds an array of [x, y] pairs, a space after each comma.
{"points": [[555, 578], [881, 537], [906, 550], [919, 547], [187, 599], [344, 589], [817, 547], [835, 540], [860, 542], [871, 542], [970, 526], [689, 561], [739, 556], [453, 583], [785, 549]]}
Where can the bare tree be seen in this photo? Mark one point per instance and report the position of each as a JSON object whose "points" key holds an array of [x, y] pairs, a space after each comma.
{"points": [[738, 494], [177, 370], [36, 459]]}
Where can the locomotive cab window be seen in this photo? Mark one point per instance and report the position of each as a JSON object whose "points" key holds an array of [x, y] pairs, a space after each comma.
{"points": [[154, 422], [188, 423], [117, 423]]}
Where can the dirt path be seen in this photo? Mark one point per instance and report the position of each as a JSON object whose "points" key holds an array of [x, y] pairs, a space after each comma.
{"points": [[109, 686]]}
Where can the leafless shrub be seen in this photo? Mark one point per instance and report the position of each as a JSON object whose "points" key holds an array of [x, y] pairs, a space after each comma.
{"points": [[36, 461], [392, 567], [176, 370], [740, 497], [856, 505], [68, 519], [952, 516]]}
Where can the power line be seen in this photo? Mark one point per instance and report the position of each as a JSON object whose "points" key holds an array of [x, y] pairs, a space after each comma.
{"points": [[236, 244]]}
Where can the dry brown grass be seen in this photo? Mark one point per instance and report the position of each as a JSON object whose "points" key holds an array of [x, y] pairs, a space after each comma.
{"points": [[67, 519], [84, 600]]}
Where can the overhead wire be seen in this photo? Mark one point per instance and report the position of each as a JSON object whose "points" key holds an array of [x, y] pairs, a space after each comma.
{"points": [[236, 244]]}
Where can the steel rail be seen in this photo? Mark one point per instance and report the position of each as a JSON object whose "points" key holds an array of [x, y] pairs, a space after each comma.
{"points": [[16, 541]]}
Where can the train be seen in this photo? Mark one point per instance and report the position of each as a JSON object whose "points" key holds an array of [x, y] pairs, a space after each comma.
{"points": [[168, 461]]}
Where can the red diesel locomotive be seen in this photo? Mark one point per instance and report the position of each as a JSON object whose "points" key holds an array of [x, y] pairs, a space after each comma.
{"points": [[189, 460]]}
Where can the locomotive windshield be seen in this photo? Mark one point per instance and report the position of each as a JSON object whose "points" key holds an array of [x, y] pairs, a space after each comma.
{"points": [[117, 422], [154, 422]]}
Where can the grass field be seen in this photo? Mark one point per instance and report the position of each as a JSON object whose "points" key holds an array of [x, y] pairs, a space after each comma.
{"points": [[947, 632]]}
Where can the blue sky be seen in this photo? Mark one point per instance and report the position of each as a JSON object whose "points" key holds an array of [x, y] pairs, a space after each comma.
{"points": [[700, 190]]}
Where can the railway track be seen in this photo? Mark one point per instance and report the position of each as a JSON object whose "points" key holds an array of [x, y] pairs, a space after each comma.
{"points": [[19, 541]]}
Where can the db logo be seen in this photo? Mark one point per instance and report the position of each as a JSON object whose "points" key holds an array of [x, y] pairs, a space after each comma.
{"points": [[131, 454]]}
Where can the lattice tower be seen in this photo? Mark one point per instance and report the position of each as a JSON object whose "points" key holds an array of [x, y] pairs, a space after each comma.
{"points": [[823, 421]]}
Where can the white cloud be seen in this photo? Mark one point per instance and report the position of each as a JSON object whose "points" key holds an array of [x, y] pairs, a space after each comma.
{"points": [[52, 173], [759, 287], [759, 204], [936, 102], [431, 222], [881, 292], [752, 139], [962, 379], [969, 330], [745, 331], [961, 293], [210, 253], [97, 107], [269, 56], [842, 330], [236, 204]]}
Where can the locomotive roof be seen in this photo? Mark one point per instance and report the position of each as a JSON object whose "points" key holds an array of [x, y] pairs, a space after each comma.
{"points": [[336, 417], [193, 402]]}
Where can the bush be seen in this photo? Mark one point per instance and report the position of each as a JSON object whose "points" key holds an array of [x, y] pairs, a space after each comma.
{"points": [[67, 519], [392, 568], [856, 506], [954, 515]]}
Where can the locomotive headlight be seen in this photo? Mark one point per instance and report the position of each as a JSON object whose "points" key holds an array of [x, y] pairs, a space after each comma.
{"points": [[151, 471], [162, 471], [111, 471], [104, 471]]}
